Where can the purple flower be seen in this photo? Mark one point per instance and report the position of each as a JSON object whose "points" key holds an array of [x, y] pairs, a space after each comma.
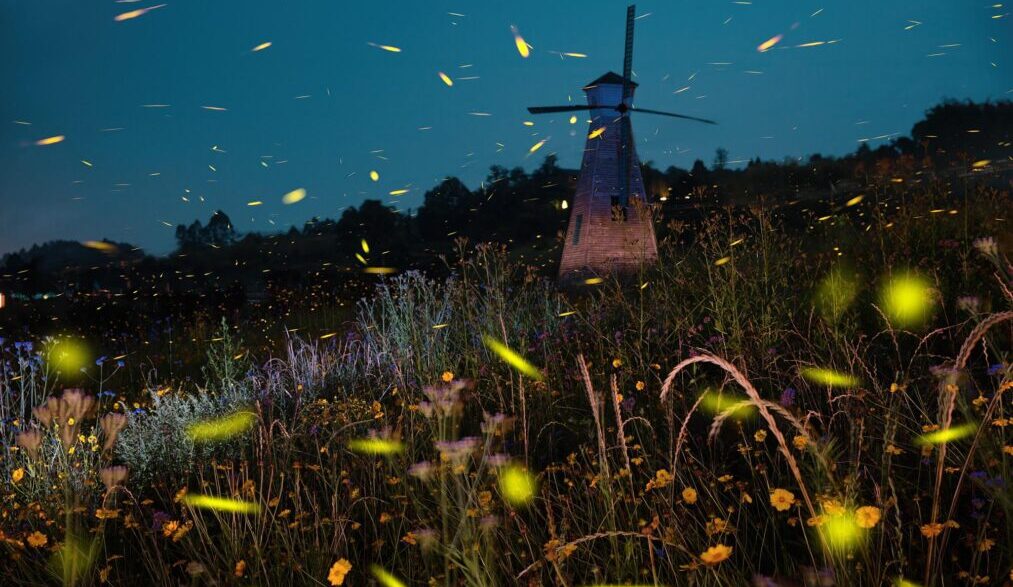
{"points": [[788, 397], [995, 369]]}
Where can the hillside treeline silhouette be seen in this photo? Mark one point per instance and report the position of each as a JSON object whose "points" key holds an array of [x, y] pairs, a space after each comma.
{"points": [[526, 211]]}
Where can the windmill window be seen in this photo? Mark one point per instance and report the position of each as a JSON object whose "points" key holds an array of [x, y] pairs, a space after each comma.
{"points": [[576, 228]]}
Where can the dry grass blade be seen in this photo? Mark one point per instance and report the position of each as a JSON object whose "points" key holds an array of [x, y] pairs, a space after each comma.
{"points": [[758, 402]]}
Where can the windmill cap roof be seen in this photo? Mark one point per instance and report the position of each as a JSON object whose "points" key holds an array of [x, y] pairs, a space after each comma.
{"points": [[609, 78]]}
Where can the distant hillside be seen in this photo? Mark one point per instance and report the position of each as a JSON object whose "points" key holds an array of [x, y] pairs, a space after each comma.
{"points": [[524, 210]]}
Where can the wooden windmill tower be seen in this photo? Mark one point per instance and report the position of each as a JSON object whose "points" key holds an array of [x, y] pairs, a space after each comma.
{"points": [[610, 226]]}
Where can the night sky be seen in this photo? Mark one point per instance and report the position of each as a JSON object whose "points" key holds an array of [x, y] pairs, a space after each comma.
{"points": [[321, 107]]}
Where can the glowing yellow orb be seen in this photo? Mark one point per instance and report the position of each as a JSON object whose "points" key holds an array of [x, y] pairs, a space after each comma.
{"points": [[517, 485], [835, 293], [907, 300], [842, 532], [67, 355]]}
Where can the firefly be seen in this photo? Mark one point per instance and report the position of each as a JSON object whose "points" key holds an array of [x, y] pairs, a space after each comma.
{"points": [[222, 504], [512, 358], [517, 485], [375, 446], [221, 428], [769, 43], [50, 140], [522, 46], [829, 377], [294, 196]]}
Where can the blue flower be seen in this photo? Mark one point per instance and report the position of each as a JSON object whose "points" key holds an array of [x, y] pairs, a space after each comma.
{"points": [[995, 369], [100, 360]]}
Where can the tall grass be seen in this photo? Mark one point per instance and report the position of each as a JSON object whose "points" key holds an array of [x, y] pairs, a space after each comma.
{"points": [[643, 477]]}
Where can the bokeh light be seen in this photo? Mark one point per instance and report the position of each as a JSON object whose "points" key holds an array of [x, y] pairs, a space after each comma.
{"points": [[67, 355], [835, 293], [906, 300], [517, 485]]}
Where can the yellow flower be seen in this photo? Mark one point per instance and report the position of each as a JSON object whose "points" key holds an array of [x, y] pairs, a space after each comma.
{"points": [[240, 569], [832, 507], [661, 479], [104, 514], [782, 499], [689, 495], [867, 516], [932, 530], [447, 376], [716, 554], [617, 363], [338, 572], [760, 435], [800, 442], [986, 545], [17, 474], [37, 539], [169, 527], [641, 386]]}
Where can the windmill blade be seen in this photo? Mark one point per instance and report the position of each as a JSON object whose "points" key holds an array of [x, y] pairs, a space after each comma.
{"points": [[551, 109], [672, 114], [631, 12], [625, 133]]}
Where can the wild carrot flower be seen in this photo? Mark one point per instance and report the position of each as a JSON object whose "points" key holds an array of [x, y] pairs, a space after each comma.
{"points": [[715, 554], [113, 476], [30, 440], [782, 499], [986, 246], [421, 470], [338, 572], [111, 424]]}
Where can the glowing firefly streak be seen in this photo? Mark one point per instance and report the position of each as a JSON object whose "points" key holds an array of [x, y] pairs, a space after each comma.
{"points": [[294, 196], [769, 43], [221, 428], [389, 48], [947, 434], [221, 504], [522, 46], [375, 446], [50, 140], [512, 358], [135, 13]]}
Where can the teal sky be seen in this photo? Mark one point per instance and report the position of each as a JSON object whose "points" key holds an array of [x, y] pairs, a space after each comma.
{"points": [[321, 107]]}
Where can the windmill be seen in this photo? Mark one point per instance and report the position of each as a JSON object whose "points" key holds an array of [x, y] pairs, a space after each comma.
{"points": [[610, 227]]}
